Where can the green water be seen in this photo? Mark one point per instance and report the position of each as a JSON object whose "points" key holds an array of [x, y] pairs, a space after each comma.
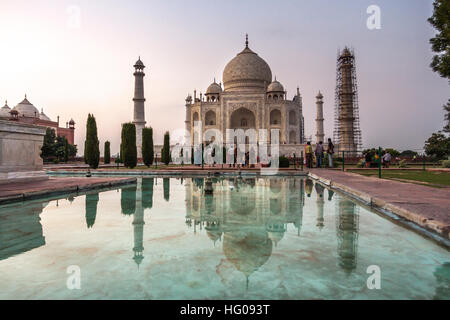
{"points": [[254, 238]]}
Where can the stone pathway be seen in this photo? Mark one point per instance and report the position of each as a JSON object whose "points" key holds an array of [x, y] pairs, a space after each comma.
{"points": [[426, 206], [19, 191]]}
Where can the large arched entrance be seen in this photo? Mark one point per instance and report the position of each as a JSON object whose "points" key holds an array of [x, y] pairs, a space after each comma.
{"points": [[242, 118]]}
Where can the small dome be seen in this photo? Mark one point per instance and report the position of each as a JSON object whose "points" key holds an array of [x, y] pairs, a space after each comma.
{"points": [[319, 95], [5, 111], [43, 116], [26, 109], [71, 122], [275, 86], [6, 107], [214, 88], [139, 64], [276, 236]]}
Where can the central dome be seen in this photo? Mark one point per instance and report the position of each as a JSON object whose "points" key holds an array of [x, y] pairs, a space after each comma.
{"points": [[247, 72]]}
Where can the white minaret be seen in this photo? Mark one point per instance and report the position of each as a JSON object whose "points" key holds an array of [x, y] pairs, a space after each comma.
{"points": [[319, 119], [139, 100]]}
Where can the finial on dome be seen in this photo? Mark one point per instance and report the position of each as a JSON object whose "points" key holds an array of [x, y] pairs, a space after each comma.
{"points": [[246, 40], [214, 79], [25, 95], [275, 78]]}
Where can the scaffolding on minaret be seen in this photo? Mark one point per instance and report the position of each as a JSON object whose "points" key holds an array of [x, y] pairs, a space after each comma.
{"points": [[347, 131]]}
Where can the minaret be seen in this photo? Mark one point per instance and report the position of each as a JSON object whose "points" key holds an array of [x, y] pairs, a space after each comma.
{"points": [[319, 119], [347, 134], [347, 228], [139, 100], [298, 99], [187, 122], [138, 229], [319, 203]]}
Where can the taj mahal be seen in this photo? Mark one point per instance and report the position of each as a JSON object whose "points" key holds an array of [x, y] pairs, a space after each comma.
{"points": [[250, 99]]}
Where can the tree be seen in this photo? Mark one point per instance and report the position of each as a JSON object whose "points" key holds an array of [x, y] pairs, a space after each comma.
{"points": [[438, 146], [440, 44], [107, 155], [128, 152], [392, 152], [408, 153], [57, 147], [165, 152], [48, 147], [147, 146], [92, 150], [447, 116]]}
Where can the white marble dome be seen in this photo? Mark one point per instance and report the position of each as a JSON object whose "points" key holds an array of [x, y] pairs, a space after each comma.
{"points": [[26, 109], [214, 88], [5, 111], [275, 87], [246, 72]]}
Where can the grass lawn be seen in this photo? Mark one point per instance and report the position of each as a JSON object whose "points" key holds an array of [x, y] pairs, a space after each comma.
{"points": [[434, 179]]}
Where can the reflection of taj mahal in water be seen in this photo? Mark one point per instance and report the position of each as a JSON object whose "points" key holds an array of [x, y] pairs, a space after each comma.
{"points": [[247, 219], [251, 216]]}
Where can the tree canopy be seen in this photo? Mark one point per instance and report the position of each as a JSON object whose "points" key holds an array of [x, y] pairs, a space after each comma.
{"points": [[440, 43], [438, 146], [57, 147]]}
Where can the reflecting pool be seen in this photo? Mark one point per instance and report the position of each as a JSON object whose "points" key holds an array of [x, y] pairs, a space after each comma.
{"points": [[254, 238]]}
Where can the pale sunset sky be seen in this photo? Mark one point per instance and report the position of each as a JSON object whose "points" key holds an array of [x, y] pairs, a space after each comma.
{"points": [[72, 65]]}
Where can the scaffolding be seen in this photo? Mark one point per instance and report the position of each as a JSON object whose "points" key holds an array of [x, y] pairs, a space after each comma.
{"points": [[345, 61]]}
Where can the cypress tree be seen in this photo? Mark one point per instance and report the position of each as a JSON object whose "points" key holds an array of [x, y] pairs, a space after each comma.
{"points": [[128, 148], [91, 146], [165, 154], [107, 156], [66, 150], [147, 146]]}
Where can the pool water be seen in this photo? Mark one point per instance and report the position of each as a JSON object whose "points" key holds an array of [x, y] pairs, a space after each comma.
{"points": [[254, 238]]}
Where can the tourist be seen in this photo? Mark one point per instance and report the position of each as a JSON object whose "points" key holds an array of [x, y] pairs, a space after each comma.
{"points": [[319, 154], [330, 152], [368, 159], [308, 155], [387, 159]]}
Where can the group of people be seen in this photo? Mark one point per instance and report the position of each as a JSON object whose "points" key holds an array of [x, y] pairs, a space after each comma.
{"points": [[371, 159], [319, 154]]}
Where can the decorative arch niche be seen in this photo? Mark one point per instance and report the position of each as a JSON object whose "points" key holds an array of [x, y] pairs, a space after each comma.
{"points": [[275, 117], [210, 118]]}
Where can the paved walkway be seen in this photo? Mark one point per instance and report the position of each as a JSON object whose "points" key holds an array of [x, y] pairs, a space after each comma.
{"points": [[26, 190], [426, 206]]}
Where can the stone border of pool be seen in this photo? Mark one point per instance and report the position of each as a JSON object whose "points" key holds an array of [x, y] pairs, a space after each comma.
{"points": [[181, 173], [58, 186], [433, 229]]}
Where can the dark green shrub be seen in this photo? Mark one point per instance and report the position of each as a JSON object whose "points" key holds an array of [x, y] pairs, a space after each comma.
{"points": [[283, 162], [107, 156], [147, 146], [165, 152], [92, 151], [128, 152]]}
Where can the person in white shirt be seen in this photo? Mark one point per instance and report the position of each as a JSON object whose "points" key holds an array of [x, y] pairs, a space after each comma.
{"points": [[387, 159]]}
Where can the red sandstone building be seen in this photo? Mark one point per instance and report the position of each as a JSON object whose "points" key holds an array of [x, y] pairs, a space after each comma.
{"points": [[27, 113]]}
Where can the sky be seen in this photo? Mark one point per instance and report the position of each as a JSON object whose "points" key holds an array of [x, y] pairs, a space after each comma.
{"points": [[73, 57]]}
